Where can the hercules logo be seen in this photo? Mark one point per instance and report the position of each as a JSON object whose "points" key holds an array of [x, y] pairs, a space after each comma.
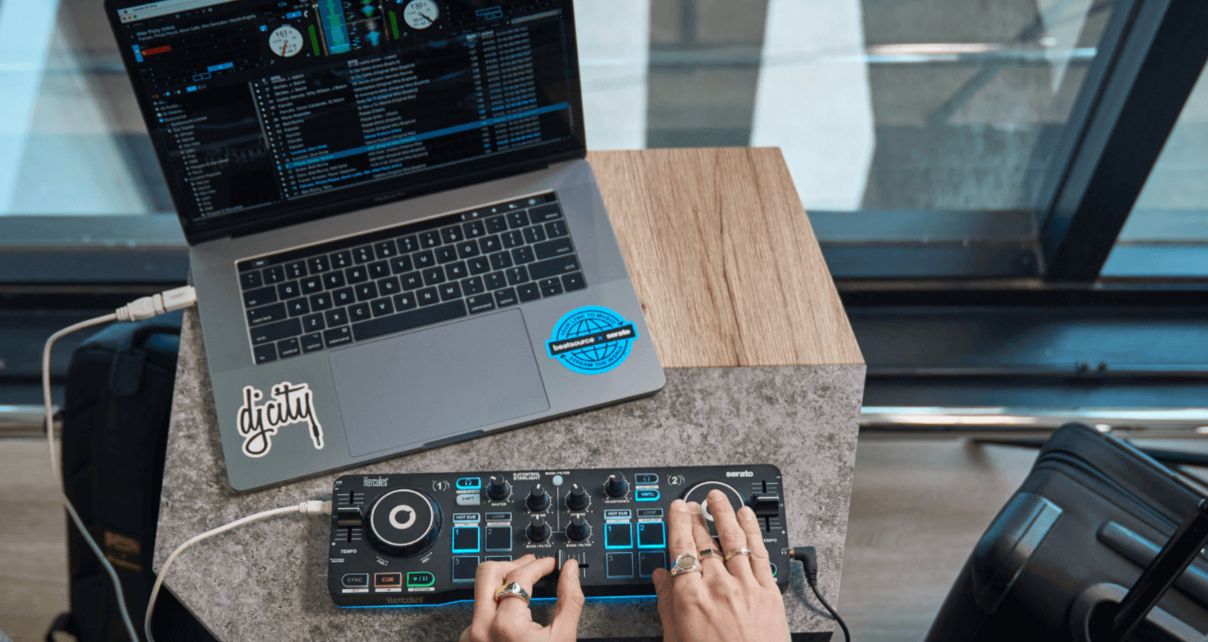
{"points": [[290, 404]]}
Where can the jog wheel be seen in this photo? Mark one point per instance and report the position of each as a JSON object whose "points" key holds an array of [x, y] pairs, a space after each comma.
{"points": [[700, 492], [404, 522]]}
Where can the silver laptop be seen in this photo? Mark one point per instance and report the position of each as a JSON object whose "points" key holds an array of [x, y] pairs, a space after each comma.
{"points": [[396, 240]]}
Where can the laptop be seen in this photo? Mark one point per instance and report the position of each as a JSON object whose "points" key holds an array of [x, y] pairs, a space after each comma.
{"points": [[396, 239]]}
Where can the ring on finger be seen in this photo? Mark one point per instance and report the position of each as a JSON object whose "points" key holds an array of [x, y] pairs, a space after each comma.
{"points": [[709, 553], [742, 550], [512, 589], [685, 563]]}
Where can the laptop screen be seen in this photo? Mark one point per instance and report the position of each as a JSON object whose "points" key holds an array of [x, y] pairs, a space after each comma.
{"points": [[277, 110]]}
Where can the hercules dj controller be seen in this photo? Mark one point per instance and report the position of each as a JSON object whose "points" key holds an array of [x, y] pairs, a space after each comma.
{"points": [[399, 540]]}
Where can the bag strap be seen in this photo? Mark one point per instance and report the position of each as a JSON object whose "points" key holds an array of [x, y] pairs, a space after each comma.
{"points": [[63, 623]]}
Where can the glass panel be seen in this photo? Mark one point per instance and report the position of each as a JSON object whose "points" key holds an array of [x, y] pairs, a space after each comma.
{"points": [[1167, 231], [71, 141], [878, 104]]}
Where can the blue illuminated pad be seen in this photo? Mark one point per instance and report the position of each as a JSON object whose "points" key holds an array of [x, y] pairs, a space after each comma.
{"points": [[652, 535], [466, 539], [618, 535]]}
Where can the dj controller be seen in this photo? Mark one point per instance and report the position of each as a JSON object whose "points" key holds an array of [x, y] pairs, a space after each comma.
{"points": [[417, 539]]}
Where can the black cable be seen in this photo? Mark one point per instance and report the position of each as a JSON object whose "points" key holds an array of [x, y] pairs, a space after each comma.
{"points": [[808, 556]]}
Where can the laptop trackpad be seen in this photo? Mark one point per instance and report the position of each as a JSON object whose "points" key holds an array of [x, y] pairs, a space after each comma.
{"points": [[432, 384]]}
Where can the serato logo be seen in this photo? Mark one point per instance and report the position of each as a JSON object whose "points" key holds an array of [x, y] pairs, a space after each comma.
{"points": [[374, 482], [739, 473], [289, 404]]}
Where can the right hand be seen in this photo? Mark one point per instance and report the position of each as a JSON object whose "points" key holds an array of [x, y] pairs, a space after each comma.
{"points": [[731, 601]]}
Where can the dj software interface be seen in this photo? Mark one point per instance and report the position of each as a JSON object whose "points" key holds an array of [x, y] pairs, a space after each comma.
{"points": [[262, 103]]}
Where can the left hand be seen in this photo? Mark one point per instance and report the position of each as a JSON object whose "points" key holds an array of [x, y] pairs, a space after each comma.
{"points": [[511, 620]]}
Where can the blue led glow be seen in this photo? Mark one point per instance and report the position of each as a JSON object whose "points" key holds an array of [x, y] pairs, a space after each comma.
{"points": [[597, 598]]}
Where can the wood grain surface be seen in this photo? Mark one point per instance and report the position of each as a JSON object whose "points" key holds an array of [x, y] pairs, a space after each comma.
{"points": [[723, 258]]}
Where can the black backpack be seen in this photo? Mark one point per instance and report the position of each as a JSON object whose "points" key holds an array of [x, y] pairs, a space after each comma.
{"points": [[115, 429]]}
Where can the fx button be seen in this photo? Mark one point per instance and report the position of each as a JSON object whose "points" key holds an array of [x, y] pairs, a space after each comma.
{"points": [[464, 568], [652, 535], [646, 478], [618, 565]]}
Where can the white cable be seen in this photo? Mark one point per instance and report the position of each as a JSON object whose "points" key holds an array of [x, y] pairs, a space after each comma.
{"points": [[313, 507], [144, 308]]}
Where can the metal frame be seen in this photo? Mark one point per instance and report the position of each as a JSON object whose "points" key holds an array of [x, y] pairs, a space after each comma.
{"points": [[1152, 56]]}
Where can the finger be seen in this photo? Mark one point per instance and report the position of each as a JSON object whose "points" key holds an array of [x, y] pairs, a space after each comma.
{"points": [[713, 569], [761, 563], [680, 540], [526, 576], [729, 533], [487, 578], [565, 623], [666, 606]]}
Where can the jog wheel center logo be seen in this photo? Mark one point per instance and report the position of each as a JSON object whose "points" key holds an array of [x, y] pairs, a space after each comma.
{"points": [[591, 340]]}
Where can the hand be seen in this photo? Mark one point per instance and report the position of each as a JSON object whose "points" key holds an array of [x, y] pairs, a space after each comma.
{"points": [[726, 601], [511, 620]]}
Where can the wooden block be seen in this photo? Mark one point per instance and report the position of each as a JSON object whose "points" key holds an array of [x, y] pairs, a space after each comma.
{"points": [[724, 259]]}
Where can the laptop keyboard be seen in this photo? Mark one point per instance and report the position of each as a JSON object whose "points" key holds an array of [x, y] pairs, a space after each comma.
{"points": [[388, 281]]}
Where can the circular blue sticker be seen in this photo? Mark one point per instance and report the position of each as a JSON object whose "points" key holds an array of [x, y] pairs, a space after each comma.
{"points": [[591, 340]]}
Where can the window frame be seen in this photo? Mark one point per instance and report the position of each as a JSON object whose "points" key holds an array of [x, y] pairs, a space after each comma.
{"points": [[1148, 61]]}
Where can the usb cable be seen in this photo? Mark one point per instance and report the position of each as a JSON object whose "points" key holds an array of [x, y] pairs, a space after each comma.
{"points": [[140, 309], [137, 310]]}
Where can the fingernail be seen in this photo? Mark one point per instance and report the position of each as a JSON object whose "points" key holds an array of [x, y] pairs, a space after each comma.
{"points": [[746, 513], [693, 506], [716, 495], [679, 505]]}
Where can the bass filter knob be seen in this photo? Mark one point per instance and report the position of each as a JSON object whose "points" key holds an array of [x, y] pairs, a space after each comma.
{"points": [[577, 499], [578, 529], [616, 486], [538, 530], [538, 499], [403, 522], [498, 489]]}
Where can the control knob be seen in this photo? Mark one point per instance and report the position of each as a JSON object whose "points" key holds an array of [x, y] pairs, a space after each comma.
{"points": [[577, 499], [616, 486], [578, 529], [403, 522], [538, 529], [538, 499], [498, 489]]}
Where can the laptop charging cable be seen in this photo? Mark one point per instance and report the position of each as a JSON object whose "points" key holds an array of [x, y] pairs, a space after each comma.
{"points": [[138, 310], [808, 556]]}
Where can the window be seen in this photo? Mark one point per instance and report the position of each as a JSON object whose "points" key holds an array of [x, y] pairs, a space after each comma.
{"points": [[928, 138], [1167, 231]]}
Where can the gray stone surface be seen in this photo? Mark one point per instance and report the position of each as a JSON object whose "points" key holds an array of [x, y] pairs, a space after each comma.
{"points": [[266, 581]]}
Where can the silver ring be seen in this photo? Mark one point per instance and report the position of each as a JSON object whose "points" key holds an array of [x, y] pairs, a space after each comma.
{"points": [[738, 551], [709, 553], [685, 563], [511, 590]]}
